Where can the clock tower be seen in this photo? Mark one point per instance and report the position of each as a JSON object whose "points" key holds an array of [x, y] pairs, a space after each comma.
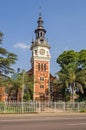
{"points": [[40, 62]]}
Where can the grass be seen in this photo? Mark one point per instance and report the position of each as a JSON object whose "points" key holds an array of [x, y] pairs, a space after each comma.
{"points": [[83, 110]]}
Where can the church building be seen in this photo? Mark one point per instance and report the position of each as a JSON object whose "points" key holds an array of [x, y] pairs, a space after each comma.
{"points": [[40, 63]]}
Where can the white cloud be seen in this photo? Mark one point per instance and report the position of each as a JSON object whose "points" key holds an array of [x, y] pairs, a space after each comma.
{"points": [[21, 46]]}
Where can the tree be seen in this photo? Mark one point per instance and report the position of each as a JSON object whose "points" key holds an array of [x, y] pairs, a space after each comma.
{"points": [[28, 86], [71, 73], [82, 67], [6, 59], [22, 83], [82, 59]]}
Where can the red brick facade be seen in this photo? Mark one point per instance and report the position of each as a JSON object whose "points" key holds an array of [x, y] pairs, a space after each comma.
{"points": [[2, 93], [41, 78]]}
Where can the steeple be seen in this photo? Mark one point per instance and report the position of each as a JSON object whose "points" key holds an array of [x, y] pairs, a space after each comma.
{"points": [[40, 31], [40, 62], [40, 21], [40, 35]]}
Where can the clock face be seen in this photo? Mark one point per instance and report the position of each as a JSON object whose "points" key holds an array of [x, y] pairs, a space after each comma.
{"points": [[42, 51]]}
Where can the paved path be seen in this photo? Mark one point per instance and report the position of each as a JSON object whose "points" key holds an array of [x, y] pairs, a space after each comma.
{"points": [[42, 114]]}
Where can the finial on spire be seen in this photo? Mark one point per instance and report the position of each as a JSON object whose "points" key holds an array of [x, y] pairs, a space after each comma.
{"points": [[40, 11]]}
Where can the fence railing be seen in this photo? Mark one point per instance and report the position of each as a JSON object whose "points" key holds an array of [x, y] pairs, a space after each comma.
{"points": [[37, 107]]}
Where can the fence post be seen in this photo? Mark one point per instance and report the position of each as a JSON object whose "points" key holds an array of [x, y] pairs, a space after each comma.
{"points": [[22, 106], [56, 106], [4, 106], [78, 107], [39, 106], [64, 105]]}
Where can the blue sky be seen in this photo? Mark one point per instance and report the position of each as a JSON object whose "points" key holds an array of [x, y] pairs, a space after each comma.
{"points": [[64, 20]]}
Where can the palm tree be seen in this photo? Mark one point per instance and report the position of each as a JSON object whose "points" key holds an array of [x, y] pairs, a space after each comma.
{"points": [[70, 76], [24, 84], [63, 84]]}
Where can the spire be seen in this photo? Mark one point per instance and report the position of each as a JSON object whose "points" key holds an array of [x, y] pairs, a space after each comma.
{"points": [[40, 11], [40, 34], [40, 31], [40, 21]]}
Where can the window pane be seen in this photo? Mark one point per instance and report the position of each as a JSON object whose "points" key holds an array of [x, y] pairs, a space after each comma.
{"points": [[41, 86], [42, 78], [41, 67], [44, 67], [38, 66]]}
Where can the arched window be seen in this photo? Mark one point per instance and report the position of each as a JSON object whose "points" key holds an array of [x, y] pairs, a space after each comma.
{"points": [[41, 67], [38, 34], [44, 67], [41, 34], [38, 66], [35, 52], [41, 86]]}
